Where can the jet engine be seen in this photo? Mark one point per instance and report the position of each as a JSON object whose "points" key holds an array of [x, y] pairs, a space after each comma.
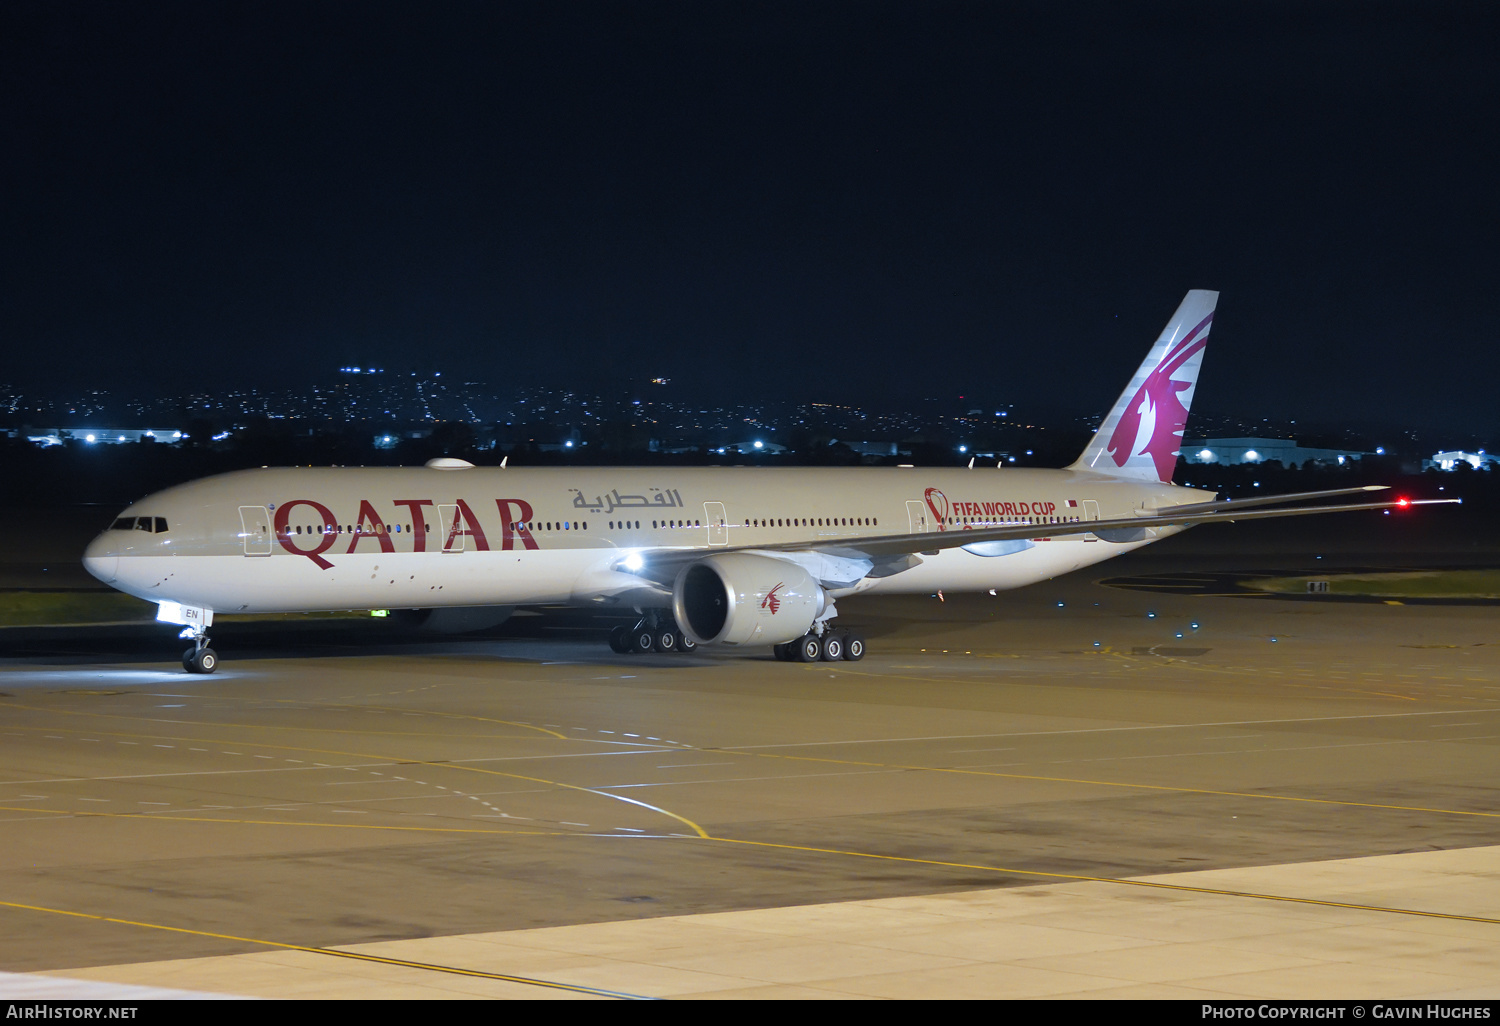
{"points": [[742, 599], [453, 619]]}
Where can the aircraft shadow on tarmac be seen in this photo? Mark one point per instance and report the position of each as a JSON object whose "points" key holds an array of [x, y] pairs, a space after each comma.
{"points": [[574, 638]]}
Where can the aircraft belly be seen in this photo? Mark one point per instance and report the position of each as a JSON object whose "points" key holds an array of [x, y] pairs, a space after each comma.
{"points": [[281, 584]]}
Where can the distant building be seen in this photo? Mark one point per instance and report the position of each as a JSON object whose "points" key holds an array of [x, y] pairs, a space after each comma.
{"points": [[875, 448], [1450, 460], [94, 436], [1286, 451]]}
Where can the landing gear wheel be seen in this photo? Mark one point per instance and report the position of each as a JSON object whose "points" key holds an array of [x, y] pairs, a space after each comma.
{"points": [[781, 653], [664, 642], [641, 639], [854, 648], [200, 660], [832, 648], [808, 648], [619, 639], [685, 643]]}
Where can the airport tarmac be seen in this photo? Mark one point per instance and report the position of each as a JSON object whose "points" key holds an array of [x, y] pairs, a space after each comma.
{"points": [[526, 814]]}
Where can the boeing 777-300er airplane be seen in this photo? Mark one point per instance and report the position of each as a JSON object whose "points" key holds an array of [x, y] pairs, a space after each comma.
{"points": [[703, 556]]}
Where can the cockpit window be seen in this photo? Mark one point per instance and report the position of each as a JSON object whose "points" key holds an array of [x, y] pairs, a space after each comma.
{"points": [[156, 525]]}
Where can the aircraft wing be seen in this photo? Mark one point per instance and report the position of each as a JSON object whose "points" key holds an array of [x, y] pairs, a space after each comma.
{"points": [[1119, 527], [892, 553], [1266, 500]]}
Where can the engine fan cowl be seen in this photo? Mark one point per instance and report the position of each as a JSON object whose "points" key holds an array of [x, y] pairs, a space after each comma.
{"points": [[743, 599]]}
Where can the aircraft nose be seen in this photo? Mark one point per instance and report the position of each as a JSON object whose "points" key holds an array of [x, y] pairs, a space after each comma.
{"points": [[101, 560]]}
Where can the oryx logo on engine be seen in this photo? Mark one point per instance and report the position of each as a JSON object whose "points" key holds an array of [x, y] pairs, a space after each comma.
{"points": [[772, 601]]}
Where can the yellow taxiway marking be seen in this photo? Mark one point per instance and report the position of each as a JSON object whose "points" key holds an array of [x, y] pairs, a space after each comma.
{"points": [[296, 726], [172, 817], [1006, 870], [302, 703], [338, 952], [1102, 783], [461, 767], [1131, 662], [1083, 878], [818, 759]]}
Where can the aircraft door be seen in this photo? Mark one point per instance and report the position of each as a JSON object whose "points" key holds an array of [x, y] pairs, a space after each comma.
{"points": [[916, 515], [1090, 512], [718, 523], [451, 528], [255, 530]]}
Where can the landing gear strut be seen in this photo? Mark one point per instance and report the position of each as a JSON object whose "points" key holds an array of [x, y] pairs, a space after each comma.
{"points": [[653, 632], [200, 658]]}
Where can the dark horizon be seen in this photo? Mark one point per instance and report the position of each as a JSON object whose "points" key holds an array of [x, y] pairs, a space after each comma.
{"points": [[865, 203]]}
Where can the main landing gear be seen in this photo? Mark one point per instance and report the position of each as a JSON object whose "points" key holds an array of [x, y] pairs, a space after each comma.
{"points": [[829, 647], [656, 631], [200, 658], [652, 633]]}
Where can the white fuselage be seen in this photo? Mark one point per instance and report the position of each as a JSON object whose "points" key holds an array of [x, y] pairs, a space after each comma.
{"points": [[307, 539]]}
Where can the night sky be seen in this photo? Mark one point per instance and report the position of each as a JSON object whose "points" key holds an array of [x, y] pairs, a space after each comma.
{"points": [[854, 202]]}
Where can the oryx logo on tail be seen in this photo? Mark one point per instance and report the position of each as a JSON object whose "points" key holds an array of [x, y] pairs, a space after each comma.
{"points": [[1153, 421], [1142, 434]]}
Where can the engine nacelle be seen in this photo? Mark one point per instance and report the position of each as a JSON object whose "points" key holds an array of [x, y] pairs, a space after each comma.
{"points": [[453, 619], [742, 599]]}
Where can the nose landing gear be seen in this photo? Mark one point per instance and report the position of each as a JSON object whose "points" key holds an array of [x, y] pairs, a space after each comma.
{"points": [[200, 658]]}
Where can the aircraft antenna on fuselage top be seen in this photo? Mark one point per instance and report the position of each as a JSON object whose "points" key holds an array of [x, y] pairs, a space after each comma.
{"points": [[1141, 437]]}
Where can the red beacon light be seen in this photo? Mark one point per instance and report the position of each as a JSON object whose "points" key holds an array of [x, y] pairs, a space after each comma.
{"points": [[1403, 502]]}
